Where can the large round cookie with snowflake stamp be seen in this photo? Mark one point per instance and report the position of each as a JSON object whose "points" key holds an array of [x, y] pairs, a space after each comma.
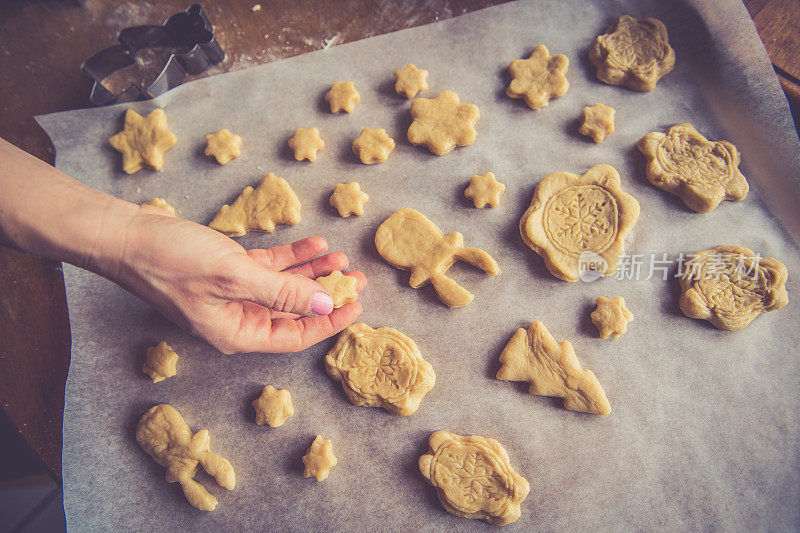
{"points": [[578, 222]]}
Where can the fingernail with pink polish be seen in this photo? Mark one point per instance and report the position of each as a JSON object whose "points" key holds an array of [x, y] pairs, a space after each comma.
{"points": [[321, 303]]}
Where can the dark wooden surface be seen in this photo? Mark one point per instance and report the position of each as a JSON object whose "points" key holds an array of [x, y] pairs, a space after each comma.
{"points": [[42, 44]]}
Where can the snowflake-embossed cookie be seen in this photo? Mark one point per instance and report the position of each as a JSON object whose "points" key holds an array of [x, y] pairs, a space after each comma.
{"points": [[538, 78], [442, 123], [577, 221], [701, 172]]}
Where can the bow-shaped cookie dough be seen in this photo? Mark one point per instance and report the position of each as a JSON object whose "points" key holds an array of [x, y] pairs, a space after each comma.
{"points": [[409, 241]]}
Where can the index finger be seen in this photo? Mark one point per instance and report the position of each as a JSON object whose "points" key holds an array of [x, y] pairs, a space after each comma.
{"points": [[287, 335]]}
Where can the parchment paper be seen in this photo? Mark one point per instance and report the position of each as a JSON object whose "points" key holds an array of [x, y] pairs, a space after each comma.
{"points": [[704, 425]]}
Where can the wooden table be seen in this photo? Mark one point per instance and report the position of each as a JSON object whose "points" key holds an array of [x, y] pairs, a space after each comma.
{"points": [[41, 47]]}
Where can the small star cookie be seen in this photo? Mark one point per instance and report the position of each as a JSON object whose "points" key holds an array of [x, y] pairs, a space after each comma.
{"points": [[373, 145], [223, 146], [273, 407], [163, 204], [538, 78], [161, 362], [597, 122], [306, 143], [442, 123], [611, 317], [341, 287], [349, 199], [319, 459], [485, 190], [342, 97], [143, 141], [410, 80]]}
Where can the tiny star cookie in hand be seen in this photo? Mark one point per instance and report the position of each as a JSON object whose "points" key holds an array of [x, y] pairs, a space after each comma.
{"points": [[161, 362], [223, 146], [597, 122], [343, 96], [538, 78], [410, 80], [611, 317], [306, 143], [143, 141], [163, 204], [373, 145], [484, 190], [342, 287], [634, 53], [442, 123], [552, 369], [701, 172], [272, 202], [164, 435], [349, 199], [319, 459], [474, 478], [273, 407]]}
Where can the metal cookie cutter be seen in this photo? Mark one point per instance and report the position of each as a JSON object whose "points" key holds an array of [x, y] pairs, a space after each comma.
{"points": [[189, 39]]}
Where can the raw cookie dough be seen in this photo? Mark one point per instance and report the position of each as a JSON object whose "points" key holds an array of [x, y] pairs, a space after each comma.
{"points": [[272, 202], [319, 459], [576, 220], [410, 80], [730, 285], [273, 407], [306, 143], [552, 369], [611, 317], [474, 478], [442, 123], [223, 146], [701, 172], [380, 368], [409, 241], [163, 204], [164, 435], [161, 362], [143, 141], [597, 122], [342, 287], [373, 145], [342, 96], [484, 190], [634, 53], [349, 199], [538, 78]]}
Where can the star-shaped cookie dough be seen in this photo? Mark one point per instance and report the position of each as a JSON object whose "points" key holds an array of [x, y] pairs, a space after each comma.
{"points": [[223, 146], [306, 143], [611, 317], [273, 407], [349, 199], [442, 123], [319, 459], [373, 145], [343, 96], [597, 122], [163, 204], [485, 190], [341, 287], [161, 362], [410, 80], [538, 78], [143, 141]]}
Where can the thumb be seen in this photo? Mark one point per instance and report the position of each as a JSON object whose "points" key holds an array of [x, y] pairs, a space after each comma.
{"points": [[285, 292]]}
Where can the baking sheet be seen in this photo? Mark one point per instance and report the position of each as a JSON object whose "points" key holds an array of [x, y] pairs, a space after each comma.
{"points": [[704, 424]]}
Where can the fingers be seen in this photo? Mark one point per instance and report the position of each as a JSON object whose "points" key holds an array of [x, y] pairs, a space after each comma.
{"points": [[282, 291], [282, 257], [361, 282], [321, 266], [287, 336]]}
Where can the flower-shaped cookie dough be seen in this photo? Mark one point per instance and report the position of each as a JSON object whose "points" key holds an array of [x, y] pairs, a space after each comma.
{"points": [[538, 78], [306, 143], [597, 122], [342, 96], [161, 362], [634, 53], [342, 287], [730, 285], [223, 146], [349, 199], [484, 190], [701, 172], [272, 202], [410, 80], [273, 407], [143, 141], [373, 145], [579, 220], [611, 317], [442, 123], [319, 459], [163, 204], [474, 478]]}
